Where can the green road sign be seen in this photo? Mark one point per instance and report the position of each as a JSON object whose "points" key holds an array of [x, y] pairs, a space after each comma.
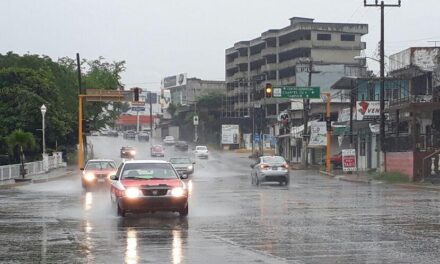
{"points": [[295, 92]]}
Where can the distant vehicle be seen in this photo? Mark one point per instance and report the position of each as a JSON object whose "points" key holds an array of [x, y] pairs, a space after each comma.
{"points": [[97, 171], [157, 151], [94, 133], [104, 132], [113, 133], [270, 169], [129, 134], [183, 165], [143, 136], [201, 152], [128, 152], [148, 186], [169, 140], [181, 145]]}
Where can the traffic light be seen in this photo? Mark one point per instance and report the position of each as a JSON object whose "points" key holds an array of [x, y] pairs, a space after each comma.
{"points": [[86, 126], [136, 92], [268, 90]]}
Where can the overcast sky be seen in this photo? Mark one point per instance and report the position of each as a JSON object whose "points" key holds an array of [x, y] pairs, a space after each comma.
{"points": [[165, 37]]}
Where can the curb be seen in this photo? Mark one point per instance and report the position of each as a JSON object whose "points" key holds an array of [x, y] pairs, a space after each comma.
{"points": [[343, 178], [13, 185], [415, 186]]}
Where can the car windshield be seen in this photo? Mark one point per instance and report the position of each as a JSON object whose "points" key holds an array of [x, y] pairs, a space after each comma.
{"points": [[273, 160], [201, 148], [100, 165], [148, 171], [157, 148], [180, 160]]}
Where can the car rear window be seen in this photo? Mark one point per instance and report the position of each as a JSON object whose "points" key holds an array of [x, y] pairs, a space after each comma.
{"points": [[180, 160], [201, 148], [148, 171], [275, 159]]}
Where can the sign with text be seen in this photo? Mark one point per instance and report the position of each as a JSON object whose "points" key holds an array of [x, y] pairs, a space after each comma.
{"points": [[318, 134], [230, 134], [138, 108], [349, 159], [367, 110], [296, 92]]}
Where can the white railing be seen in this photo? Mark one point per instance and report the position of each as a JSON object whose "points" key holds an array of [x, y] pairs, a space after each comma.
{"points": [[10, 172]]}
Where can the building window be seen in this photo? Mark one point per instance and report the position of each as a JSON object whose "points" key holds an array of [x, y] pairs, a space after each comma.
{"points": [[347, 37], [324, 36]]}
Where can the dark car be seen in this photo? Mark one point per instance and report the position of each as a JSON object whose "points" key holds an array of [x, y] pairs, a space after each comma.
{"points": [[130, 134], [143, 136], [181, 145], [113, 133], [128, 152], [148, 186]]}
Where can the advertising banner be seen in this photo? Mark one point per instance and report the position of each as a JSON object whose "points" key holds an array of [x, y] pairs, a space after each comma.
{"points": [[367, 110], [318, 134], [174, 81], [349, 159], [230, 134]]}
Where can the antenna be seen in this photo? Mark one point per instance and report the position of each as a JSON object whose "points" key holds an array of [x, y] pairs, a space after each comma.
{"points": [[434, 41]]}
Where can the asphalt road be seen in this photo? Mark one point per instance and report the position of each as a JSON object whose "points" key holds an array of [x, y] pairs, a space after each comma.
{"points": [[314, 220]]}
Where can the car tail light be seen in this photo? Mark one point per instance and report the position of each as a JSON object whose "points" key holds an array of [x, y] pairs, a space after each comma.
{"points": [[264, 166], [285, 165]]}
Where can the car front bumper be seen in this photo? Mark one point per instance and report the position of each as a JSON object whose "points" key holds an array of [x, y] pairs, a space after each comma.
{"points": [[153, 203]]}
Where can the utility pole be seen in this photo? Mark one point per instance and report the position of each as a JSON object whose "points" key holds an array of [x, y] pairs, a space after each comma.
{"points": [[195, 114], [306, 105], [82, 138], [351, 113], [150, 100], [253, 117], [382, 6], [329, 134]]}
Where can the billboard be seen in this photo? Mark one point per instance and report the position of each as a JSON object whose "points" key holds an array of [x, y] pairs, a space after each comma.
{"points": [[367, 110], [318, 134], [230, 134], [166, 99], [174, 81]]}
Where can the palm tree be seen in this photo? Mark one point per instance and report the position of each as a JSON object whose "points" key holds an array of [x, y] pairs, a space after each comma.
{"points": [[22, 141]]}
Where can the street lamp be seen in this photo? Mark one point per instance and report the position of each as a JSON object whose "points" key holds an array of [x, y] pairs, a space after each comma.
{"points": [[43, 109]]}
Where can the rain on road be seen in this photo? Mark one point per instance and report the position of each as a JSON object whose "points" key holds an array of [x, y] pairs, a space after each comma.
{"points": [[314, 220]]}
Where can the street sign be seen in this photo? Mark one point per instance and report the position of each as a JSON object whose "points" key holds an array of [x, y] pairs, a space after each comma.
{"points": [[196, 120], [138, 108], [296, 92], [257, 138], [102, 95], [349, 159]]}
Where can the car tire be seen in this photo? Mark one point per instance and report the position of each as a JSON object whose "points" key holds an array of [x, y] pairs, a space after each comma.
{"points": [[184, 212], [120, 212]]}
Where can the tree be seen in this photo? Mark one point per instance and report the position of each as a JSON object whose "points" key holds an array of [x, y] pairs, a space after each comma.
{"points": [[20, 142], [172, 108]]}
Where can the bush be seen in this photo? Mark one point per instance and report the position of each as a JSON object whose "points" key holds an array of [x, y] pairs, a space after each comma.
{"points": [[392, 177]]}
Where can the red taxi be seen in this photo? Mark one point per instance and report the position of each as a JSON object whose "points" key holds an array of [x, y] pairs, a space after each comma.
{"points": [[147, 186], [157, 151], [97, 171]]}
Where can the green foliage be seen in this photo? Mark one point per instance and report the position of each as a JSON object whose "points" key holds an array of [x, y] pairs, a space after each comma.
{"points": [[392, 177], [20, 142], [172, 108]]}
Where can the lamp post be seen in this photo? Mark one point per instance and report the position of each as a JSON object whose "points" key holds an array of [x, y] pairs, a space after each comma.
{"points": [[43, 109]]}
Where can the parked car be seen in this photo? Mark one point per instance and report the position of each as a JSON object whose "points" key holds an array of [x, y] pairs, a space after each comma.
{"points": [[335, 160], [143, 136], [169, 140], [128, 152], [113, 133], [181, 145], [129, 134], [201, 152], [94, 133], [148, 186], [157, 151], [97, 171], [183, 165], [270, 169]]}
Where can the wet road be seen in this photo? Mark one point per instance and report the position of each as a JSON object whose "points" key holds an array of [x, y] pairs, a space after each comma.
{"points": [[314, 220]]}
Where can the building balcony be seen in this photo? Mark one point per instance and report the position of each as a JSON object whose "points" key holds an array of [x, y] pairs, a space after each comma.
{"points": [[269, 67], [241, 60], [269, 51], [231, 65], [295, 45], [287, 81], [241, 75]]}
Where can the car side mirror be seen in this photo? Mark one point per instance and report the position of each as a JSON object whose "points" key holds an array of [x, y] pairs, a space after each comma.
{"points": [[113, 177], [81, 169], [183, 176]]}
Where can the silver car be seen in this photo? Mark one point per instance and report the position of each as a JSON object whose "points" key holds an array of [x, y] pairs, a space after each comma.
{"points": [[270, 169], [183, 165]]}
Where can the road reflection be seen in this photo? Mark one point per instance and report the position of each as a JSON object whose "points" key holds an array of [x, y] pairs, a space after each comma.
{"points": [[177, 246], [88, 201], [131, 255]]}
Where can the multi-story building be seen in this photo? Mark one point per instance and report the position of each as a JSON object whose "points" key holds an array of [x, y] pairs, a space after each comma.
{"points": [[274, 57]]}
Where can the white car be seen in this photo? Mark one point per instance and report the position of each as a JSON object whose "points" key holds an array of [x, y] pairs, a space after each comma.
{"points": [[169, 140], [201, 152]]}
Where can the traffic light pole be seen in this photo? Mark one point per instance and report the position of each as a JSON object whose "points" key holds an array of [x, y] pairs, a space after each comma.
{"points": [[306, 136], [80, 133], [329, 135]]}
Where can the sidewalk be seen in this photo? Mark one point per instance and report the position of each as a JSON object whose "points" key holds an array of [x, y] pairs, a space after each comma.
{"points": [[45, 177], [364, 177]]}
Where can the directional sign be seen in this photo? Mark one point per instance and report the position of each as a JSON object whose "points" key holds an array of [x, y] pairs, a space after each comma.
{"points": [[296, 92], [138, 108]]}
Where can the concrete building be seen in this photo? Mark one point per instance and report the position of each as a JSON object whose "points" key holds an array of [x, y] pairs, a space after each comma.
{"points": [[277, 57]]}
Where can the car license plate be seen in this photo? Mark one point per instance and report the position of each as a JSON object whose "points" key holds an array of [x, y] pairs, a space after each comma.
{"points": [[275, 168], [101, 180]]}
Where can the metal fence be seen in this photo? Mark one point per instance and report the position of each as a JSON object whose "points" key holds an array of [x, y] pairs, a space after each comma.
{"points": [[10, 172]]}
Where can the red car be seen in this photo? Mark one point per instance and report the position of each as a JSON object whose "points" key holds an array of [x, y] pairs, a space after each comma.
{"points": [[97, 171], [157, 151], [147, 186]]}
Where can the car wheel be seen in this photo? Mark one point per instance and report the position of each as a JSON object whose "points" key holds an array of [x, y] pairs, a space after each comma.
{"points": [[120, 212], [184, 212]]}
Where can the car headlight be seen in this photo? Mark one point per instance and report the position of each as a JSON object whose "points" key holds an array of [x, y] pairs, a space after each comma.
{"points": [[133, 192], [177, 192], [89, 176], [190, 167], [132, 152]]}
